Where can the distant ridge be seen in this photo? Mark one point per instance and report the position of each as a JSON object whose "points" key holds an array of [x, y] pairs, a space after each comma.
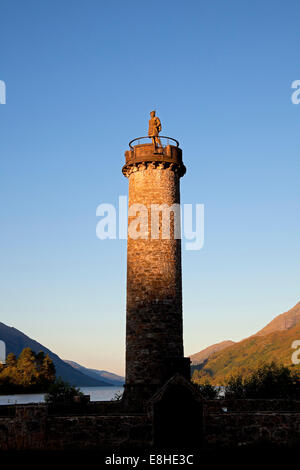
{"points": [[98, 374], [282, 322], [16, 341]]}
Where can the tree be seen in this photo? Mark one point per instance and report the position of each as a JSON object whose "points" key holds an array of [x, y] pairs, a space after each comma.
{"points": [[208, 391], [11, 360], [267, 381], [29, 373], [26, 368], [47, 370]]}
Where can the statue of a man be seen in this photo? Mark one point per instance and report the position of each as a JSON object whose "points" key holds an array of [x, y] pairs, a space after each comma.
{"points": [[154, 129]]}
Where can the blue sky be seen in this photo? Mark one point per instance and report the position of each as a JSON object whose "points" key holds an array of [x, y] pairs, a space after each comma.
{"points": [[81, 79]]}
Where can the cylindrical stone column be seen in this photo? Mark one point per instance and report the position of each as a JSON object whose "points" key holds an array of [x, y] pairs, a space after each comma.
{"points": [[154, 340]]}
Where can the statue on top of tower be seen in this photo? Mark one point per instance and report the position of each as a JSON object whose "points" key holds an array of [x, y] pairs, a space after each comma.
{"points": [[154, 129]]}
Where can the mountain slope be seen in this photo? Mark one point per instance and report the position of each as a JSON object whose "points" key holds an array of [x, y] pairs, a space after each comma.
{"points": [[201, 356], [97, 374], [272, 343], [16, 341], [250, 352]]}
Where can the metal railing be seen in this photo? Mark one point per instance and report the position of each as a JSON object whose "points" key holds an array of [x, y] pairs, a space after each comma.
{"points": [[163, 139]]}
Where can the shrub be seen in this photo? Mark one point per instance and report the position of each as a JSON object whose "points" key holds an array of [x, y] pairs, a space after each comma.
{"points": [[62, 392]]}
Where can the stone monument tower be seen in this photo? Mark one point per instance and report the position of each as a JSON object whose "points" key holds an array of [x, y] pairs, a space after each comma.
{"points": [[154, 341]]}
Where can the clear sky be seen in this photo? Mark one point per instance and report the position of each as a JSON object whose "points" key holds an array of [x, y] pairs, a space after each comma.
{"points": [[81, 78]]}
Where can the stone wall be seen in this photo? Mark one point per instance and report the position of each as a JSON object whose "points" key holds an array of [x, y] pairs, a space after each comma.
{"points": [[238, 429], [240, 423], [244, 422], [33, 428]]}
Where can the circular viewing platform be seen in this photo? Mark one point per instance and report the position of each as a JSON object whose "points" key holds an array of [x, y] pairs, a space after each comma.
{"points": [[166, 150], [165, 141]]}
